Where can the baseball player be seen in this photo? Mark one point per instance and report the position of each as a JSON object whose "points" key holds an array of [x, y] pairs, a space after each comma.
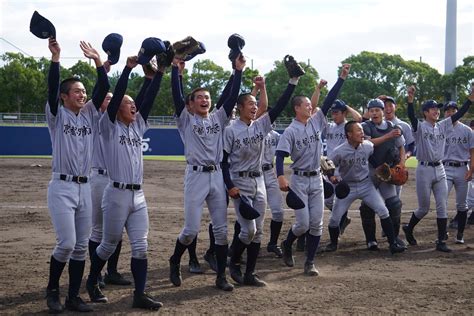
{"points": [[458, 153], [302, 140], [388, 148], [352, 159], [124, 205], [72, 130], [99, 180], [430, 138], [244, 143], [202, 137]]}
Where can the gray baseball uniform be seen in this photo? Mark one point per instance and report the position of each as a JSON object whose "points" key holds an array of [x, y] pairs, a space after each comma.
{"points": [[69, 200], [274, 197], [245, 145], [459, 142], [353, 164], [335, 136], [303, 143], [430, 173]]}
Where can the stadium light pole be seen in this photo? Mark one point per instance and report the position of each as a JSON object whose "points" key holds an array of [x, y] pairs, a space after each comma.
{"points": [[450, 44]]}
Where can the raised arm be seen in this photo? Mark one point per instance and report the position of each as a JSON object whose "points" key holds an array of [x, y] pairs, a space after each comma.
{"points": [[411, 108], [229, 103], [283, 100], [53, 76], [263, 98], [464, 108], [102, 86], [316, 94], [332, 95], [178, 98], [225, 93], [151, 94], [120, 88], [354, 114]]}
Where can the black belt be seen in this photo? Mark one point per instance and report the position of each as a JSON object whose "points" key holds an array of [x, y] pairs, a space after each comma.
{"points": [[101, 171], [305, 173], [267, 167], [430, 163], [250, 174], [210, 168], [455, 163], [132, 187], [78, 179]]}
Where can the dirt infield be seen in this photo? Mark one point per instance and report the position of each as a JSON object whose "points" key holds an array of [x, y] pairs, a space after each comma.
{"points": [[352, 281]]}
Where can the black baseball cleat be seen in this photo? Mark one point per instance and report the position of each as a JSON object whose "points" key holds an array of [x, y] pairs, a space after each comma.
{"points": [[400, 242], [275, 249], [459, 239], [409, 235], [330, 247], [441, 246], [310, 269], [175, 273], [235, 273], [194, 266], [396, 248], [116, 279], [253, 280], [287, 254], [145, 301], [344, 225], [221, 283], [53, 301], [76, 304], [372, 246], [95, 294], [211, 260]]}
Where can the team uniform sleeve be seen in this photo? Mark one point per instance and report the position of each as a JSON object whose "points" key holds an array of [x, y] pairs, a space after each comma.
{"points": [[228, 139], [446, 125], [471, 139], [285, 143], [400, 141]]}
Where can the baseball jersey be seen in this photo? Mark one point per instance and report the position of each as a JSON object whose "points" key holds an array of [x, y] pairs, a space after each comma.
{"points": [[271, 143], [335, 135], [459, 141], [406, 130], [431, 140], [303, 142], [98, 160], [353, 163], [72, 139], [202, 137], [244, 143], [123, 148]]}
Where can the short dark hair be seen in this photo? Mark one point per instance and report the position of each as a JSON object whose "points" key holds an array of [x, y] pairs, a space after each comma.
{"points": [[66, 84], [297, 100], [187, 98], [195, 91], [243, 97], [348, 127]]}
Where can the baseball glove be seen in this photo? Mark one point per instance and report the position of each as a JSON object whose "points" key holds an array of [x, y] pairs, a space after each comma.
{"points": [[164, 59], [293, 68], [397, 175], [185, 47], [383, 173], [327, 166]]}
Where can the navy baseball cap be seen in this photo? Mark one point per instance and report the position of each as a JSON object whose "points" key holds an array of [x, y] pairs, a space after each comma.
{"points": [[151, 46], [431, 104], [42, 27], [375, 103], [451, 104], [111, 46], [200, 50], [235, 42], [339, 105], [342, 190], [391, 99], [293, 200], [246, 210]]}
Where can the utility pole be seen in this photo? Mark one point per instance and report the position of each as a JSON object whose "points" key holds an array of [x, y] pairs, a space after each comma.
{"points": [[450, 44]]}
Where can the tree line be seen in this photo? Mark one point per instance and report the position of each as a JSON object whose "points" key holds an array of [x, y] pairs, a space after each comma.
{"points": [[23, 81]]}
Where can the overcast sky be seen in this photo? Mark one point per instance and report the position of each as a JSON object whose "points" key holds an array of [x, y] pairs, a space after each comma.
{"points": [[325, 32]]}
